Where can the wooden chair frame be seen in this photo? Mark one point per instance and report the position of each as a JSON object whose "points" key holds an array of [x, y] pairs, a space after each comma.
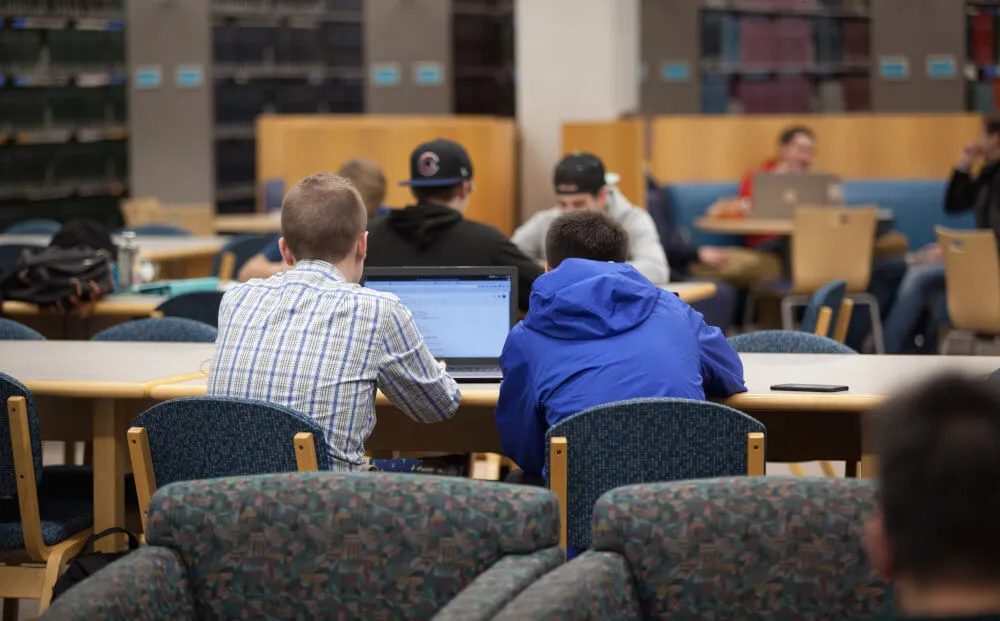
{"points": [[559, 472], [21, 578], [145, 479]]}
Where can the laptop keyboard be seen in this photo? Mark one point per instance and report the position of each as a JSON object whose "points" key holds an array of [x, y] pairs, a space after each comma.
{"points": [[476, 370]]}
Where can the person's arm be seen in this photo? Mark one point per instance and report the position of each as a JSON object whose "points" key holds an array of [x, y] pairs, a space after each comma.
{"points": [[507, 253], [410, 376], [264, 265], [530, 238], [519, 416], [721, 367], [645, 250]]}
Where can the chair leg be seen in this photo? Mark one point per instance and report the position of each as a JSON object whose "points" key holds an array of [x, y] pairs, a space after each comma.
{"points": [[10, 610], [787, 314], [875, 313], [88, 453], [59, 555], [797, 470], [946, 344], [749, 311], [69, 453], [827, 469]]}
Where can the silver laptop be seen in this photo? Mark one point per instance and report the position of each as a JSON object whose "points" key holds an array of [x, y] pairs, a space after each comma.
{"points": [[464, 313], [776, 196]]}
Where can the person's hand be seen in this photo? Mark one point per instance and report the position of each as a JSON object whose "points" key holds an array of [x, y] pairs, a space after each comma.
{"points": [[729, 208], [713, 256], [931, 253], [971, 151]]}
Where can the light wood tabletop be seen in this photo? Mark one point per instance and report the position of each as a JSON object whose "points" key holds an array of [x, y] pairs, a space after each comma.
{"points": [[154, 248], [115, 305], [92, 369], [760, 226], [260, 223], [692, 292]]}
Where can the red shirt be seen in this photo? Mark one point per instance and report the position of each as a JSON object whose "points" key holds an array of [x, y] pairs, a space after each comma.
{"points": [[746, 191]]}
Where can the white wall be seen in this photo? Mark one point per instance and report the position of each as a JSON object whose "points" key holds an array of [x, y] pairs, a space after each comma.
{"points": [[576, 60]]}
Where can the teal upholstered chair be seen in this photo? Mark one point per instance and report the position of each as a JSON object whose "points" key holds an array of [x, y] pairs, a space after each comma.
{"points": [[328, 546]]}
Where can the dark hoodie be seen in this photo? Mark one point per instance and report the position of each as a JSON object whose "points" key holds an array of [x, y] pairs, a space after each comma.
{"points": [[598, 333], [435, 235]]}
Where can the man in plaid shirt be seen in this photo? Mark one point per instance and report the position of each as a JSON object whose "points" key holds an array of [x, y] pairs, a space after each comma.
{"points": [[311, 338]]}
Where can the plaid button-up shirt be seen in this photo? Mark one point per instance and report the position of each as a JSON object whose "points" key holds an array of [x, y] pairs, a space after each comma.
{"points": [[308, 339]]}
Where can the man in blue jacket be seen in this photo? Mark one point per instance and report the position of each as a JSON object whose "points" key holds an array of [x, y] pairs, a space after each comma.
{"points": [[598, 331]]}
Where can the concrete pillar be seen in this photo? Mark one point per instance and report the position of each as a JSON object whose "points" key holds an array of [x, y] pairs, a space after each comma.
{"points": [[576, 60]]}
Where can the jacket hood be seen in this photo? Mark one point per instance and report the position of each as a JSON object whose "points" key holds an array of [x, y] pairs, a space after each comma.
{"points": [[421, 225], [586, 300]]}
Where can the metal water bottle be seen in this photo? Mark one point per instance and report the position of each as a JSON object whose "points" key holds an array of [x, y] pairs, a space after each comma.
{"points": [[128, 255]]}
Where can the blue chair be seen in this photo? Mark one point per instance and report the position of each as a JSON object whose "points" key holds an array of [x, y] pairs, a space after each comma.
{"points": [[786, 342], [158, 229], [13, 331], [644, 441], [200, 306], [160, 330], [10, 253], [210, 437], [236, 252], [35, 226], [45, 513], [829, 296]]}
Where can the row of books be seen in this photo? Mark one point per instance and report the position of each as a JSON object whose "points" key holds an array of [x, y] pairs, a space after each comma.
{"points": [[786, 95], [752, 40]]}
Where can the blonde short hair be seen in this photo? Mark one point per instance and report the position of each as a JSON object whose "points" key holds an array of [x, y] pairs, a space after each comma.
{"points": [[368, 178], [322, 217]]}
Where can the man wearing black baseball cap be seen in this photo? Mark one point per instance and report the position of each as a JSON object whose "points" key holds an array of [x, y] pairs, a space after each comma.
{"points": [[433, 232], [581, 183]]}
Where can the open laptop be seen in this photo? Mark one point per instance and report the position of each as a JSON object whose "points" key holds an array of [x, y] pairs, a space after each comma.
{"points": [[464, 313], [776, 196]]}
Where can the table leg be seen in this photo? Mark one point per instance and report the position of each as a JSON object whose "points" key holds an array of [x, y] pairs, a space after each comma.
{"points": [[869, 467], [109, 473]]}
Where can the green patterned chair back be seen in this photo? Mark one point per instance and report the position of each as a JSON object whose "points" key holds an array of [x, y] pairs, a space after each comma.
{"points": [[747, 548], [344, 546]]}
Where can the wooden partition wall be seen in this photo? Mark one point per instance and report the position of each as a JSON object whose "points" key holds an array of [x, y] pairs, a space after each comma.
{"points": [[619, 144], [290, 147], [869, 146]]}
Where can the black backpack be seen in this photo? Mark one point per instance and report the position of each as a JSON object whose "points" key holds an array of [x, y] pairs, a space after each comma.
{"points": [[75, 268], [89, 563]]}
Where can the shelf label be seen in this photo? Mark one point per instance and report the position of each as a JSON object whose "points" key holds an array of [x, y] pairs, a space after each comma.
{"points": [[385, 74], [894, 67], [942, 67], [675, 71], [148, 76], [428, 74], [189, 76]]}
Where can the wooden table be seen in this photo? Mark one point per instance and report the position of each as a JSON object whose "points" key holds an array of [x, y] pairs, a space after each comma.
{"points": [[760, 226], [800, 426], [259, 223], [113, 382], [692, 292], [126, 305], [178, 256]]}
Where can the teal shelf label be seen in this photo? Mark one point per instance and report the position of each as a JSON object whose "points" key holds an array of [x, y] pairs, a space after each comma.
{"points": [[942, 67], [428, 74], [894, 68], [190, 76], [675, 71], [385, 74], [149, 76]]}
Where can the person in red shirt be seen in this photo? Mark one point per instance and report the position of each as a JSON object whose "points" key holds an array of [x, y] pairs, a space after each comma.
{"points": [[796, 151]]}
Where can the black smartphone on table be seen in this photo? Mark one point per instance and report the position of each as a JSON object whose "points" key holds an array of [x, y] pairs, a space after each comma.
{"points": [[809, 387]]}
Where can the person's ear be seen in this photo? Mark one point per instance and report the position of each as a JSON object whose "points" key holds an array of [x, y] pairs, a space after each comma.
{"points": [[877, 543], [466, 189], [363, 246], [548, 268], [286, 254]]}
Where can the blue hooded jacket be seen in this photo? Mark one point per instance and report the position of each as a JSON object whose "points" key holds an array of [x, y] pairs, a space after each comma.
{"points": [[597, 333]]}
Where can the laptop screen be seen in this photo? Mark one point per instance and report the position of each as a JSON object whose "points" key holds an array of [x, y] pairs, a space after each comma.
{"points": [[459, 316]]}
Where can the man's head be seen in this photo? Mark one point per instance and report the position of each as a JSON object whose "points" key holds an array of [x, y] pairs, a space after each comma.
{"points": [[323, 218], [367, 177], [579, 182], [939, 489], [441, 174], [797, 148], [991, 138], [585, 234]]}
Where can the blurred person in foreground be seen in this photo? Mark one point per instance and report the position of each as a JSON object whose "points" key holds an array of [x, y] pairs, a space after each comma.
{"points": [[934, 532]]}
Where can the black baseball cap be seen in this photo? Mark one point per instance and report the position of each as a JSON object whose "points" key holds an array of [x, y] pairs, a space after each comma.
{"points": [[579, 173], [439, 163]]}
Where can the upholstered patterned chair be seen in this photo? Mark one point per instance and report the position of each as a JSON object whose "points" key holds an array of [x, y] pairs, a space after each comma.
{"points": [[786, 342], [748, 548], [160, 330], [643, 441], [328, 546]]}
